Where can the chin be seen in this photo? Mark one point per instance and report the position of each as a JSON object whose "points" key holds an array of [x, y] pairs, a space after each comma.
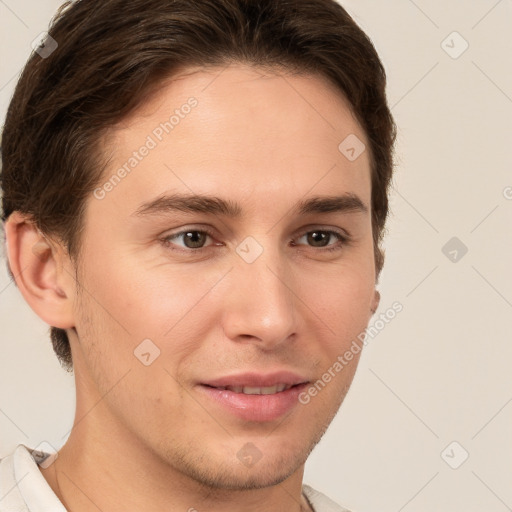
{"points": [[237, 478], [220, 472]]}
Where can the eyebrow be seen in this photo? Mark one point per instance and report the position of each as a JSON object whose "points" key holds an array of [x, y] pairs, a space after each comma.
{"points": [[193, 203]]}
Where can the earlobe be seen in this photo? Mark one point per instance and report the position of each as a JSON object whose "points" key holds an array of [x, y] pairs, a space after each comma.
{"points": [[38, 267], [376, 301]]}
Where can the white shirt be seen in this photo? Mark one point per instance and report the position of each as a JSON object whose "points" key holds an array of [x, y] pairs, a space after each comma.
{"points": [[23, 487]]}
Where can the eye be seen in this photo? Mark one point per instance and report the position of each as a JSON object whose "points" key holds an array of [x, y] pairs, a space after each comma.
{"points": [[320, 238], [195, 240], [192, 239]]}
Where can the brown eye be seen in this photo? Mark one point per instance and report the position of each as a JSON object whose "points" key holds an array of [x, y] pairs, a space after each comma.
{"points": [[321, 239], [191, 239], [194, 239], [318, 238]]}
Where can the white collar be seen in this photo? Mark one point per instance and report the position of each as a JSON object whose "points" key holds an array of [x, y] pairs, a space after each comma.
{"points": [[32, 485]]}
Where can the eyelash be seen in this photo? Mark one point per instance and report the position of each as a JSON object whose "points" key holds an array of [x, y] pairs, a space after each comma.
{"points": [[342, 238]]}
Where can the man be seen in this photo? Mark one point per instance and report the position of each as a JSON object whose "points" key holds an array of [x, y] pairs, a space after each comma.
{"points": [[194, 194]]}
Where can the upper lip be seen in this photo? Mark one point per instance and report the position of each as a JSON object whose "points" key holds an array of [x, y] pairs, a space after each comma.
{"points": [[258, 380]]}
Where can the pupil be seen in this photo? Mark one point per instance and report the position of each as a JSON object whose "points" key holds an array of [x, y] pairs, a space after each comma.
{"points": [[323, 237], [195, 237]]}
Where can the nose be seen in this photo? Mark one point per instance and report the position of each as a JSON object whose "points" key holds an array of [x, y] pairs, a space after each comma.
{"points": [[259, 302]]}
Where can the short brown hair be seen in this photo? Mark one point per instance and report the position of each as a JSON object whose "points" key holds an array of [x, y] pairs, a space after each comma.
{"points": [[111, 53]]}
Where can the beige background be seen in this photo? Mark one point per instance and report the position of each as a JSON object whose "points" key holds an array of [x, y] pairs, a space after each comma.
{"points": [[440, 371]]}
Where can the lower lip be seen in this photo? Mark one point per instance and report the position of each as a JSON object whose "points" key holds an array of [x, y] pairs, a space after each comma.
{"points": [[256, 407]]}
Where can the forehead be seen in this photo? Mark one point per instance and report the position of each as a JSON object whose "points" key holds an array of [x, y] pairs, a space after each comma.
{"points": [[206, 129]]}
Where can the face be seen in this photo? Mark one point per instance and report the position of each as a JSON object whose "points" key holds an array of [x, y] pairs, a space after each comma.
{"points": [[204, 323]]}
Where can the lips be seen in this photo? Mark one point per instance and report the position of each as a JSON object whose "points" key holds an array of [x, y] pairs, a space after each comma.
{"points": [[256, 390], [250, 383], [255, 397]]}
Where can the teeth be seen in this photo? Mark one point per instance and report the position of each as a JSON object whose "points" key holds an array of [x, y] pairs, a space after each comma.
{"points": [[260, 391], [269, 390]]}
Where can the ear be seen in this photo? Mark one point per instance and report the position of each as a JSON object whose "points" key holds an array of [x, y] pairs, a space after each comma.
{"points": [[375, 302], [42, 271]]}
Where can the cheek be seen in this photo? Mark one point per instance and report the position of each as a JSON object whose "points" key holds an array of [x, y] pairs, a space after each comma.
{"points": [[120, 319], [341, 300], [170, 305], [147, 300]]}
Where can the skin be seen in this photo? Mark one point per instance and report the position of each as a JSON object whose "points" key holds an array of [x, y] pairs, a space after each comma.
{"points": [[145, 437]]}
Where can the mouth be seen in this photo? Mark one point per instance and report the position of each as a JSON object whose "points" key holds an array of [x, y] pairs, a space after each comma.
{"points": [[254, 390], [255, 397]]}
